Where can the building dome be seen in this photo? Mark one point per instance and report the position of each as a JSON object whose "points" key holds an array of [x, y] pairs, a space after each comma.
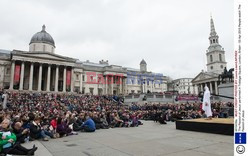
{"points": [[143, 61], [42, 37]]}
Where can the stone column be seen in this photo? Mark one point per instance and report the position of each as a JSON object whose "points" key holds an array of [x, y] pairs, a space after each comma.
{"points": [[211, 88], [112, 84], [194, 91], [120, 83], [72, 80], [56, 80], [48, 78], [12, 73], [106, 85], [216, 87], [81, 82], [125, 86], [64, 79], [152, 83], [40, 77], [22, 76], [201, 87], [31, 76]]}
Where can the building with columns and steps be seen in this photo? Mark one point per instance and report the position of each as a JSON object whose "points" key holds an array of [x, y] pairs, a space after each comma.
{"points": [[41, 69], [216, 63], [184, 86]]}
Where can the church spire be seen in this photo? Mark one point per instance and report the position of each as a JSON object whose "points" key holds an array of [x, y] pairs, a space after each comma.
{"points": [[213, 38], [212, 32]]}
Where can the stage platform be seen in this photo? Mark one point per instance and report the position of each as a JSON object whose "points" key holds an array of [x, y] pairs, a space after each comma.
{"points": [[216, 125]]}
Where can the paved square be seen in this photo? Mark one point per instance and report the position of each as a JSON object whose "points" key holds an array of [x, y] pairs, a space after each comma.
{"points": [[150, 139]]}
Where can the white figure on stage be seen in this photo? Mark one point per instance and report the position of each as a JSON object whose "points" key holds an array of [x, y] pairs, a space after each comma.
{"points": [[206, 105]]}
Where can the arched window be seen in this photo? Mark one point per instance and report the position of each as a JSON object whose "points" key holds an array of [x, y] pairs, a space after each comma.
{"points": [[220, 57], [213, 40], [211, 58]]}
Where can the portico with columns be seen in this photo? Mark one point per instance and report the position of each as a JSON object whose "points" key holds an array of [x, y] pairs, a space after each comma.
{"points": [[206, 79], [40, 73]]}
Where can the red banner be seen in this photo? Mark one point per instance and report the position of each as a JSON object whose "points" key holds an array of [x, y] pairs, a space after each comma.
{"points": [[68, 77], [17, 73], [187, 98]]}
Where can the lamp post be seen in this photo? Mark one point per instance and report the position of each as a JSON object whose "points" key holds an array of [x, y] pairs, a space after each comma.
{"points": [[174, 85]]}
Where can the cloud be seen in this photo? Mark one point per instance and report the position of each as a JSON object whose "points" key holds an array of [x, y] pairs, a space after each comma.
{"points": [[172, 36]]}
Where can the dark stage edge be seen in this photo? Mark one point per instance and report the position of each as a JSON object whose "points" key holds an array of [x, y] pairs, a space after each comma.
{"points": [[216, 128]]}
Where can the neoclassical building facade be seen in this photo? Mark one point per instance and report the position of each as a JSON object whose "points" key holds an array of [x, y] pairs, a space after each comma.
{"points": [[41, 69]]}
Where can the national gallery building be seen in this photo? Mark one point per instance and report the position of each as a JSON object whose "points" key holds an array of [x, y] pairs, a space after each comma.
{"points": [[41, 69]]}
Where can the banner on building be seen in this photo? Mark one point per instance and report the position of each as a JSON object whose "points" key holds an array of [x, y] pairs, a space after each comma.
{"points": [[17, 73], [187, 98], [68, 78]]}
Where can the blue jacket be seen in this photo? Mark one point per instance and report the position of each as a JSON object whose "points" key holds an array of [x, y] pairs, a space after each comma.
{"points": [[90, 123]]}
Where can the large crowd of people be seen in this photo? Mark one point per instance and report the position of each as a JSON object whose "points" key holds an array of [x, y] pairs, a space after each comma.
{"points": [[30, 116]]}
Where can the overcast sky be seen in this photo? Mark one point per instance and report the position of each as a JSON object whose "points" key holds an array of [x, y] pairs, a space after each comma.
{"points": [[171, 35]]}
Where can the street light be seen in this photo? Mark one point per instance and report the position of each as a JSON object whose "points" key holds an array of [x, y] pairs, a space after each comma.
{"points": [[174, 90]]}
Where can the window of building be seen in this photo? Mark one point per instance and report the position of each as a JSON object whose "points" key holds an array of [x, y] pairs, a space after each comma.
{"points": [[211, 58], [99, 80], [44, 47], [83, 78], [216, 40], [213, 40], [91, 90], [220, 57], [221, 66], [34, 47], [77, 77], [211, 67], [7, 71], [210, 41]]}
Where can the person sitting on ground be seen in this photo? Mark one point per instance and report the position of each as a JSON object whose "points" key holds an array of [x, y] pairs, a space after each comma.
{"points": [[78, 123], [20, 132], [89, 125], [37, 132], [8, 143], [118, 121], [96, 119], [62, 128]]}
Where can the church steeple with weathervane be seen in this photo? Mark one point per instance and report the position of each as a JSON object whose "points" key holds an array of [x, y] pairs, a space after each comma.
{"points": [[215, 54]]}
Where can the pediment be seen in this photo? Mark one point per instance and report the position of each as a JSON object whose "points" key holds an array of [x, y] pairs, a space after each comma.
{"points": [[202, 76], [45, 55]]}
